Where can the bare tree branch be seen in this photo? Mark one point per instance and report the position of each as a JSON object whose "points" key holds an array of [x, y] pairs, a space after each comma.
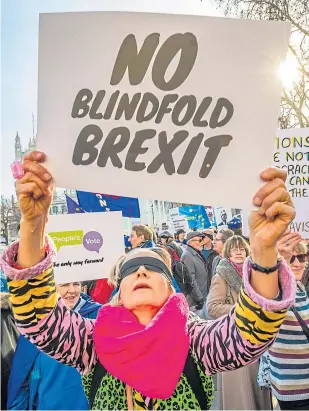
{"points": [[295, 101]]}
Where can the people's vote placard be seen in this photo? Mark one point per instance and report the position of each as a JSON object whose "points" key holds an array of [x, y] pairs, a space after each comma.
{"points": [[167, 107], [88, 244]]}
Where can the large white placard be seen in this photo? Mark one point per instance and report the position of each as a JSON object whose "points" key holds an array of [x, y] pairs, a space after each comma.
{"points": [[292, 154], [88, 244], [170, 107]]}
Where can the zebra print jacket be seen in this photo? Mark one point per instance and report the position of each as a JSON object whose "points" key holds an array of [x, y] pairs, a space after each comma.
{"points": [[227, 343]]}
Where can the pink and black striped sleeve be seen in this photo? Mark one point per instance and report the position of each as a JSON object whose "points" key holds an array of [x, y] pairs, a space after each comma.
{"points": [[242, 336], [43, 318]]}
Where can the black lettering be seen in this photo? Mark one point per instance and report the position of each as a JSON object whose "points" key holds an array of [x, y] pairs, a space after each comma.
{"points": [[190, 154], [186, 102], [214, 145], [112, 147], [93, 114], [141, 115], [127, 107], [276, 159], [164, 106], [111, 105], [187, 45], [287, 144], [221, 104], [197, 119], [81, 102], [165, 156], [85, 146], [136, 62], [136, 149]]}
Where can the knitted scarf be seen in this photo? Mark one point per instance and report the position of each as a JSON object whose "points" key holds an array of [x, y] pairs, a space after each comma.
{"points": [[237, 267], [228, 271], [148, 358]]}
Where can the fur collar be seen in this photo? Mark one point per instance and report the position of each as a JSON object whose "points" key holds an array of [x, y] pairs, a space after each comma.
{"points": [[229, 274], [5, 301]]}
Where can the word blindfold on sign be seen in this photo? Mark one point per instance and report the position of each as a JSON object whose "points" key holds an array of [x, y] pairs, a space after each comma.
{"points": [[155, 105], [145, 107]]}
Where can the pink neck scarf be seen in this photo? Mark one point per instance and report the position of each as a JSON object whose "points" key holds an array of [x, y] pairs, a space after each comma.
{"points": [[148, 358], [238, 267]]}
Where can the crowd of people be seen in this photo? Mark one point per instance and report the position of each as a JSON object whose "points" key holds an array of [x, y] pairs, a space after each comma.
{"points": [[176, 310]]}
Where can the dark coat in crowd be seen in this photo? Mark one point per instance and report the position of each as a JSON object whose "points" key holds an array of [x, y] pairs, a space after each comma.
{"points": [[197, 267], [9, 336]]}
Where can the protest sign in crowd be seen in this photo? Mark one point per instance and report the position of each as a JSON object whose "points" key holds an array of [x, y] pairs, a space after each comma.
{"points": [[90, 321]]}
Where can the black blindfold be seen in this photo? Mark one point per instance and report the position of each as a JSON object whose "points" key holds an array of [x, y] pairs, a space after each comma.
{"points": [[150, 263]]}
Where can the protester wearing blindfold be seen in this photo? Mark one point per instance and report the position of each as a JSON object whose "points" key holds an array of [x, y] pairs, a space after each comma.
{"points": [[146, 350]]}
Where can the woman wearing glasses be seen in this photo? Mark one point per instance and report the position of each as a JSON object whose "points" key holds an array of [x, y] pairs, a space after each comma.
{"points": [[286, 366], [220, 239], [237, 390]]}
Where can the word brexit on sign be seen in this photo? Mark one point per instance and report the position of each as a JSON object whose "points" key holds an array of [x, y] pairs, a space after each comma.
{"points": [[292, 155], [166, 100]]}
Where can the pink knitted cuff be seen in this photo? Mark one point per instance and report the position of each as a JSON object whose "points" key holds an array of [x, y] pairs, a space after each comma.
{"points": [[8, 258], [287, 283]]}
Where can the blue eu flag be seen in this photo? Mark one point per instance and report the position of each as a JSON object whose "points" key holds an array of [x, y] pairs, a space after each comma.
{"points": [[72, 206], [97, 202]]}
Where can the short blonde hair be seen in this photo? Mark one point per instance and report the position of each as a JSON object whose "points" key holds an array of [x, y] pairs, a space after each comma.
{"points": [[235, 241], [301, 248], [114, 274], [154, 235]]}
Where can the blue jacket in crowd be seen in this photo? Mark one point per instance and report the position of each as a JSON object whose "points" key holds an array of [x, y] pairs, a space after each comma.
{"points": [[38, 382]]}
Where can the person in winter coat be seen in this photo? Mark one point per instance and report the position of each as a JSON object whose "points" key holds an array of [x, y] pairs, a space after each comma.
{"points": [[126, 357], [180, 237], [9, 337], [141, 237], [99, 290], [196, 265], [285, 367], [208, 252], [37, 381], [167, 240], [220, 239], [237, 390]]}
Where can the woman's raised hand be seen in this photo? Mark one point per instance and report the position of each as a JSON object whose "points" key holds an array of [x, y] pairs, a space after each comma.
{"points": [[276, 210], [34, 190], [287, 243]]}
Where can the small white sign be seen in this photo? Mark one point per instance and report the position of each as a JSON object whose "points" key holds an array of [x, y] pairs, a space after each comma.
{"points": [[179, 222], [144, 104], [292, 155], [223, 217], [88, 244]]}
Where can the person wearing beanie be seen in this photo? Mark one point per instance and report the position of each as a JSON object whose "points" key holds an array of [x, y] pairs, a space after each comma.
{"points": [[196, 265], [180, 237]]}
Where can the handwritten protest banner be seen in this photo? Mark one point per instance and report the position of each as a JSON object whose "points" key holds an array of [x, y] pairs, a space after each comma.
{"points": [[292, 155], [179, 222], [88, 244], [142, 104]]}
